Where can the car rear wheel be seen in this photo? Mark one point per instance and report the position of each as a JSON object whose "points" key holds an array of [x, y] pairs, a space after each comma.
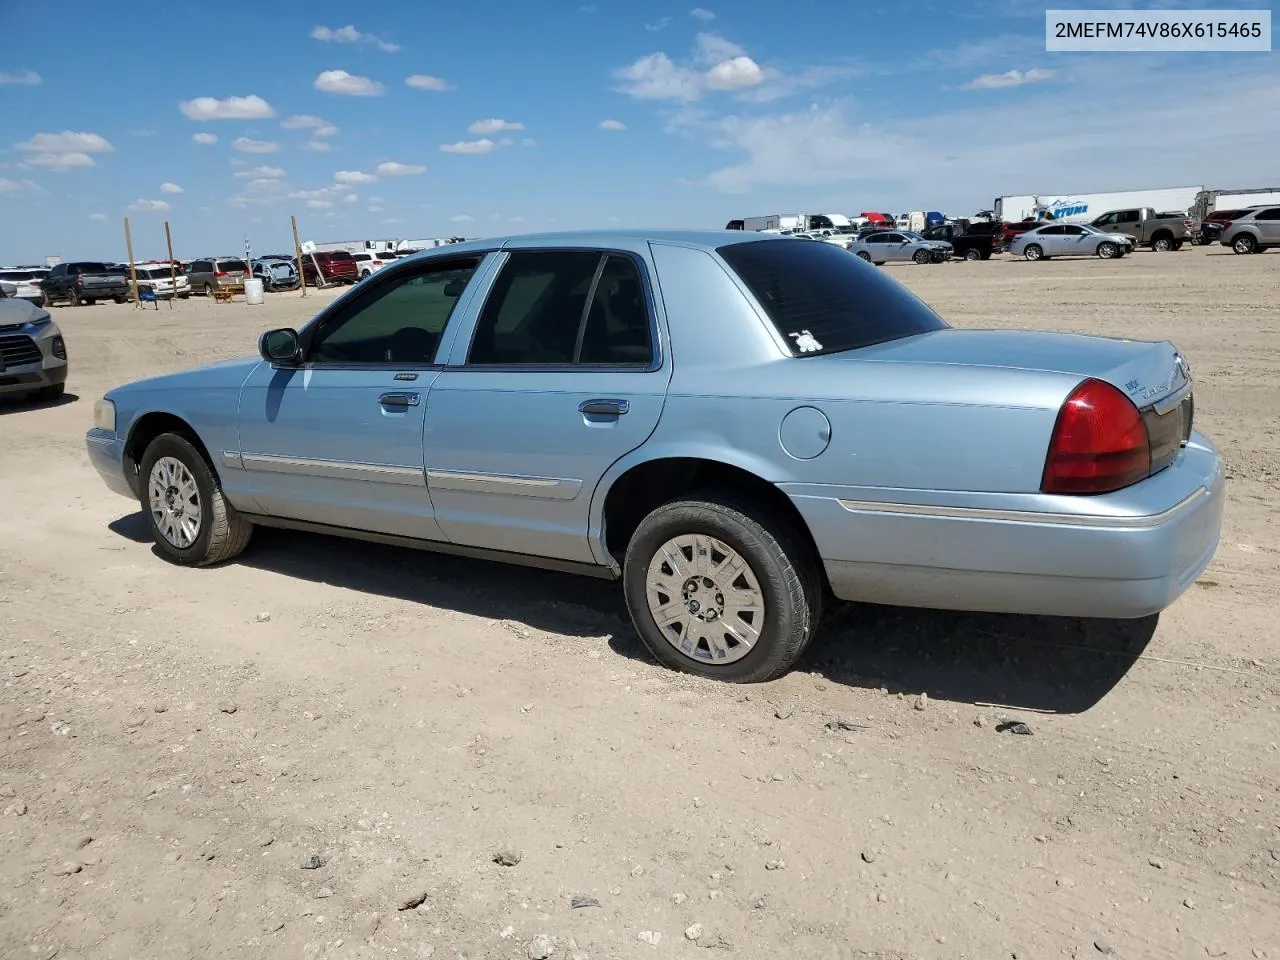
{"points": [[1108, 250], [1244, 243], [1162, 244], [120, 299], [1033, 251], [190, 521], [863, 255], [921, 256], [973, 254], [720, 588], [208, 289]]}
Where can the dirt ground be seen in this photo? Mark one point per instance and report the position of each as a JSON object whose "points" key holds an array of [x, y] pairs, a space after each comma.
{"points": [[180, 746]]}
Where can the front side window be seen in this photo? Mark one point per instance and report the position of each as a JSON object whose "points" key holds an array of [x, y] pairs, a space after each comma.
{"points": [[821, 300], [1074, 231], [1127, 216], [397, 322], [552, 308], [1272, 214]]}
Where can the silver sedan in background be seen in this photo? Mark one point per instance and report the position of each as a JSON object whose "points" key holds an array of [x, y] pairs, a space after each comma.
{"points": [[898, 246], [1070, 240]]}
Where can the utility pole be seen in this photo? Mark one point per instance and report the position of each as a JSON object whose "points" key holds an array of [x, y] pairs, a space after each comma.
{"points": [[297, 250], [173, 267], [133, 270]]}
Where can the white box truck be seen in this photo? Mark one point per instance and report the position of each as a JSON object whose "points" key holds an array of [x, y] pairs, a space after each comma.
{"points": [[1083, 207]]}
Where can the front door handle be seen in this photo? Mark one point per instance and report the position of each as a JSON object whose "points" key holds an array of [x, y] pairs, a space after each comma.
{"points": [[604, 408], [399, 399]]}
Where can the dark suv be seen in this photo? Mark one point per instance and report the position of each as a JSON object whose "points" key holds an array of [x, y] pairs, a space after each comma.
{"points": [[84, 282]]}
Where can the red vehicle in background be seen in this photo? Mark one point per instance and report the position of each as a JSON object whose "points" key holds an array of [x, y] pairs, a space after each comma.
{"points": [[336, 266], [1213, 225]]}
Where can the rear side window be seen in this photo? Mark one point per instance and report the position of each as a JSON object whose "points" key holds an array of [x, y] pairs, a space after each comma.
{"points": [[822, 299], [229, 265], [1272, 214]]}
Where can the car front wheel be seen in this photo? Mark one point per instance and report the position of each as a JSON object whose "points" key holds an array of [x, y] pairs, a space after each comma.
{"points": [[973, 254], [1244, 244], [190, 521], [1108, 250], [921, 256], [863, 255], [720, 588]]}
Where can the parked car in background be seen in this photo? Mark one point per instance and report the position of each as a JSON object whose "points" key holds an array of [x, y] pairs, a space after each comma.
{"points": [[161, 282], [8, 289], [780, 424], [26, 283], [207, 274], [1070, 240], [276, 273], [1160, 232], [368, 264], [978, 245], [898, 246], [336, 266], [1254, 231], [84, 282], [1212, 225], [33, 355]]}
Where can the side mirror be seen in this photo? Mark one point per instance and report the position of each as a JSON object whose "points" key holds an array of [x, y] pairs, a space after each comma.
{"points": [[280, 347]]}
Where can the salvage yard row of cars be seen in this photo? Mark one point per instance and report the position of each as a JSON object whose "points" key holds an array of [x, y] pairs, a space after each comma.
{"points": [[739, 427]]}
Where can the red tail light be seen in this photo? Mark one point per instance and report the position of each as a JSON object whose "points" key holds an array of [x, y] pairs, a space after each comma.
{"points": [[219, 273], [79, 280], [1099, 443]]}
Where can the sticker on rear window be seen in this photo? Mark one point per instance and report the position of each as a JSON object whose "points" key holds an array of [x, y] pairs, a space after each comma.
{"points": [[805, 342]]}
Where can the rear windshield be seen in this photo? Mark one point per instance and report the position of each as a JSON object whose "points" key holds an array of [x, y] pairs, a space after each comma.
{"points": [[823, 299], [16, 275], [90, 267], [230, 265], [340, 255]]}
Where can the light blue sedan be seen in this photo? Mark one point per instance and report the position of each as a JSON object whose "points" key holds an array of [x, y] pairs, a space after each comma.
{"points": [[1070, 240], [739, 427]]}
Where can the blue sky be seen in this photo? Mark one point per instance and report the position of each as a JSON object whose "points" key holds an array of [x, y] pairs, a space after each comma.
{"points": [[428, 119]]}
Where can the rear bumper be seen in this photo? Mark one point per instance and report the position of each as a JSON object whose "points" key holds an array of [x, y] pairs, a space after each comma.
{"points": [[1133, 556], [106, 453]]}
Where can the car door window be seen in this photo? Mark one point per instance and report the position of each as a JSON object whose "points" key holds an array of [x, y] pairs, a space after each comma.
{"points": [[398, 321], [1127, 216], [895, 238], [1272, 214], [1074, 231], [1106, 221], [617, 329], [536, 308], [1050, 231]]}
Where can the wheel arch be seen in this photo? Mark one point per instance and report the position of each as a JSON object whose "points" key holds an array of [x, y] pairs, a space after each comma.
{"points": [[146, 427], [634, 487]]}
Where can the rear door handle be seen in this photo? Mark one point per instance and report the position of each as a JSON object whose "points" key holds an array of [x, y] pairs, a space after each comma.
{"points": [[605, 408], [399, 399]]}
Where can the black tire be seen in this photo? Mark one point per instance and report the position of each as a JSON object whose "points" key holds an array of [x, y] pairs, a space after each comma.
{"points": [[223, 533], [921, 256], [1162, 243], [973, 254], [863, 255], [1108, 250], [208, 289], [1245, 243], [46, 301], [89, 301], [54, 391], [120, 299], [184, 296], [879, 263], [1033, 251], [779, 559], [1177, 245]]}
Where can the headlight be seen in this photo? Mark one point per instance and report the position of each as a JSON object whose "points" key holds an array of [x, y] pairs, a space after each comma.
{"points": [[104, 415]]}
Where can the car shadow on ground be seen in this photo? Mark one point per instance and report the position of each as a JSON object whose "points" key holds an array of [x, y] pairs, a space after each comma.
{"points": [[22, 405], [1051, 664]]}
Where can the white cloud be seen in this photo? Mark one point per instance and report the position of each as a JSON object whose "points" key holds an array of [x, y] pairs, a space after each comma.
{"points": [[702, 13], [350, 198], [1012, 78], [328, 130], [273, 173], [423, 81], [251, 107], [245, 145], [22, 78], [265, 184], [168, 187], [660, 24], [302, 121], [377, 200], [374, 208], [528, 142], [735, 74], [204, 139], [346, 84], [319, 204], [483, 145], [393, 220], [10, 187], [97, 216], [494, 125], [318, 146], [657, 77], [390, 168], [350, 34], [612, 125], [66, 142], [336, 192], [61, 161], [462, 218], [353, 176], [148, 206]]}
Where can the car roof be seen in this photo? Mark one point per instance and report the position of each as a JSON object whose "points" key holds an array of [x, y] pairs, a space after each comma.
{"points": [[704, 239]]}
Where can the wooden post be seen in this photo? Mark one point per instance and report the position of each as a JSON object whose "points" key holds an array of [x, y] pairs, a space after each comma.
{"points": [[173, 267], [133, 270], [297, 251]]}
